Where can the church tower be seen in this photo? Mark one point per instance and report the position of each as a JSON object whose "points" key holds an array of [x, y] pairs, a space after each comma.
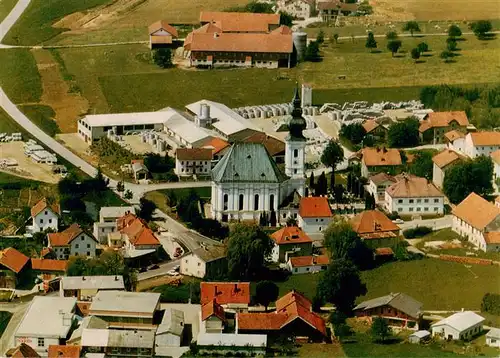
{"points": [[295, 145]]}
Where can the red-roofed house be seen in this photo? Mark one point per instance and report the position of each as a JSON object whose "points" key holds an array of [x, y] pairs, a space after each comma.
{"points": [[218, 146], [307, 264], [136, 235], [436, 124], [44, 216], [193, 161], [293, 316], [213, 317], [49, 267], [12, 265], [290, 241], [161, 34], [71, 242], [231, 295], [314, 214], [375, 229]]}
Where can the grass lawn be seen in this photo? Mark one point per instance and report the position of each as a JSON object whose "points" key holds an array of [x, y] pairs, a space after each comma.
{"points": [[41, 115], [5, 7], [122, 79], [159, 196], [19, 76], [5, 317], [8, 125], [305, 283]]}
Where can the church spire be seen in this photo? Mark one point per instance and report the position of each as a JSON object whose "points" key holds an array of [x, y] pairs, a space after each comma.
{"points": [[297, 124]]}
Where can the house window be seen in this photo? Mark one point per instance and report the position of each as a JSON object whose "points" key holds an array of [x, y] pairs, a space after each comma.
{"points": [[241, 200], [435, 209], [400, 209], [400, 201], [41, 221], [50, 221], [411, 209], [419, 200], [41, 342], [88, 246], [436, 200], [88, 253], [284, 216], [295, 270], [225, 201], [271, 202], [46, 212], [411, 201], [295, 153], [426, 200], [308, 269], [77, 246], [295, 171], [256, 202], [426, 209], [418, 208]]}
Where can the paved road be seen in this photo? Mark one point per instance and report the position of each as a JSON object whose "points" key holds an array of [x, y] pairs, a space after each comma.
{"points": [[436, 224], [11, 19], [162, 271]]}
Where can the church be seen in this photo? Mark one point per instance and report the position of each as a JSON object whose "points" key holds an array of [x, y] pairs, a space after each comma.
{"points": [[247, 182]]}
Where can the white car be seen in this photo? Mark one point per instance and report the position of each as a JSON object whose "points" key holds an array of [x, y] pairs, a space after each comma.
{"points": [[172, 273], [398, 221]]}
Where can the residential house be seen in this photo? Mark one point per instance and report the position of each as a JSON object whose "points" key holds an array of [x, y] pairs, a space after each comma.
{"points": [[64, 351], [193, 161], [74, 241], [459, 326], [300, 9], [495, 158], [455, 140], [329, 11], [139, 170], [290, 241], [493, 337], [46, 322], [170, 330], [377, 184], [375, 129], [84, 288], [230, 295], [307, 264], [436, 124], [398, 309], [293, 316], [441, 162], [377, 160], [481, 143], [13, 265], [126, 310], [213, 317], [48, 267], [315, 214], [206, 260], [376, 229], [22, 351], [412, 195], [218, 146], [107, 223], [161, 34], [44, 216], [479, 221], [118, 343], [134, 236]]}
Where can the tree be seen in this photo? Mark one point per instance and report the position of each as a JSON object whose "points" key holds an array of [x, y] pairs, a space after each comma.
{"points": [[266, 292], [320, 38], [312, 52], [120, 187], [162, 57], [391, 35], [454, 31], [321, 185], [394, 46], [415, 54], [446, 55], [365, 8], [349, 182], [354, 132], [343, 242], [371, 43], [286, 19], [380, 329], [423, 47], [451, 44], [332, 155], [341, 284], [422, 164], [128, 195], [338, 191], [146, 209], [468, 176], [404, 133], [311, 180], [411, 26], [369, 202], [248, 246], [481, 28]]}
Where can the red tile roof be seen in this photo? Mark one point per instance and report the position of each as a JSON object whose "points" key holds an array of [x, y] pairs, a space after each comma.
{"points": [[273, 145], [56, 351], [42, 205], [411, 186], [49, 265], [45, 251], [216, 144], [370, 221], [485, 138], [453, 134], [381, 178], [369, 125], [290, 235], [373, 157], [162, 25], [314, 206], [13, 259], [225, 292], [212, 308], [193, 154], [304, 261], [261, 321], [22, 351], [495, 156], [446, 157], [240, 21], [384, 251], [443, 119], [65, 237], [492, 237], [476, 211], [137, 231]]}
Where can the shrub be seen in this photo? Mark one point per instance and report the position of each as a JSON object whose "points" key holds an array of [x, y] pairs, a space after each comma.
{"points": [[418, 231], [491, 303]]}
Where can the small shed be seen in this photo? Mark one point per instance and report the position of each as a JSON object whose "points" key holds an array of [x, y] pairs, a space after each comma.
{"points": [[493, 337], [140, 171], [419, 336]]}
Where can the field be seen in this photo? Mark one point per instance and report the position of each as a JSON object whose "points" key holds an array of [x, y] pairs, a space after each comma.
{"points": [[19, 76], [5, 7], [4, 320]]}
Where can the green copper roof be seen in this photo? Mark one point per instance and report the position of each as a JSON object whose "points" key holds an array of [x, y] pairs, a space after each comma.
{"points": [[247, 162]]}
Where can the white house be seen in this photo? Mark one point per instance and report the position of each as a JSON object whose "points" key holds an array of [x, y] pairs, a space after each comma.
{"points": [[247, 182], [479, 221], [301, 9], [455, 140], [207, 259], [169, 332], [493, 337], [459, 326], [71, 242], [45, 216], [314, 214], [307, 264], [377, 184], [412, 195], [193, 161], [46, 322], [290, 241], [481, 143], [441, 162], [107, 223]]}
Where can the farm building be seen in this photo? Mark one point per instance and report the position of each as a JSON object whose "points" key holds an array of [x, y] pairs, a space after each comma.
{"points": [[436, 124], [459, 326], [493, 337], [161, 34], [419, 336]]}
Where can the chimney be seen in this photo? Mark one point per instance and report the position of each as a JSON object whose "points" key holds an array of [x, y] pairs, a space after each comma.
{"points": [[236, 289], [216, 292], [83, 278], [116, 278], [216, 35]]}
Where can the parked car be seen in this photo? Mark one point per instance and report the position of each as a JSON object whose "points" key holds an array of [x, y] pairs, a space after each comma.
{"points": [[154, 267], [398, 221], [172, 273]]}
